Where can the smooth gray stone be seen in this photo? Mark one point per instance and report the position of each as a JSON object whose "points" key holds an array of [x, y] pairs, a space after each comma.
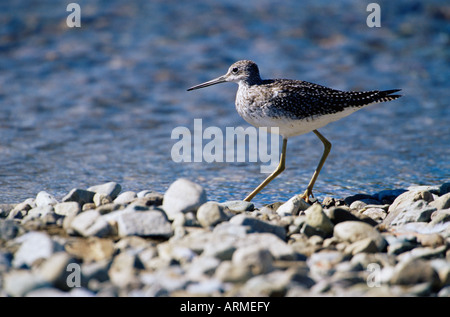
{"points": [[183, 196], [81, 196], [238, 205], [352, 231], [257, 225], [111, 189], [152, 223]]}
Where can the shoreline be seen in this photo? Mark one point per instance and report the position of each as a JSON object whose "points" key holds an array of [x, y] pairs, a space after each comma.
{"points": [[102, 241]]}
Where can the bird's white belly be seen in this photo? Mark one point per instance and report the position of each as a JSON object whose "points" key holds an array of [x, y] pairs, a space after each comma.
{"points": [[288, 127]]}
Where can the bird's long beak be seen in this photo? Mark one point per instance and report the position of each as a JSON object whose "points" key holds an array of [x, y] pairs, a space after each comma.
{"points": [[215, 81]]}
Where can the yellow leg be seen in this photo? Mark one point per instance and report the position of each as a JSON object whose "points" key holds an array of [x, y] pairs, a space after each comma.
{"points": [[326, 151], [278, 170]]}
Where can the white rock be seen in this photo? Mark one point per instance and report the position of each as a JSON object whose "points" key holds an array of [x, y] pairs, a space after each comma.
{"points": [[316, 218], [111, 189], [210, 214], [69, 208], [152, 223], [54, 269], [183, 196], [90, 223], [81, 196], [101, 199], [352, 231], [260, 260], [293, 206], [19, 283], [142, 193], [43, 199], [123, 270], [125, 198], [35, 245], [38, 212]]}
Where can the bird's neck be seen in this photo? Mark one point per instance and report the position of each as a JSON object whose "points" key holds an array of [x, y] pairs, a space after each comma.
{"points": [[250, 82]]}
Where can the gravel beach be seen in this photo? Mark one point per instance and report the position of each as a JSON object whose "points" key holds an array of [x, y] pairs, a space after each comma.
{"points": [[107, 241]]}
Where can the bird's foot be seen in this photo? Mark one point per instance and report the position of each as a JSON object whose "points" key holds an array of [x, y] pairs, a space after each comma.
{"points": [[308, 192]]}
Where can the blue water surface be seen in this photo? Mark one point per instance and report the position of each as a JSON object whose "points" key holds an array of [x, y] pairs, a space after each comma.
{"points": [[83, 106]]}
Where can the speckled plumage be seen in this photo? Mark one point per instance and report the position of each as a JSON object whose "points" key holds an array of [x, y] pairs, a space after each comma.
{"points": [[294, 107]]}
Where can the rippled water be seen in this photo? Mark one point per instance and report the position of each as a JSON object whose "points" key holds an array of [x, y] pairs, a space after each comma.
{"points": [[98, 103]]}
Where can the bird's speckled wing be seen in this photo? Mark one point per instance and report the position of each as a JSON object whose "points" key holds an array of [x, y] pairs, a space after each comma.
{"points": [[301, 99]]}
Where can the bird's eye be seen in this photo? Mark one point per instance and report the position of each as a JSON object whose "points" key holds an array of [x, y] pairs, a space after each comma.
{"points": [[235, 70]]}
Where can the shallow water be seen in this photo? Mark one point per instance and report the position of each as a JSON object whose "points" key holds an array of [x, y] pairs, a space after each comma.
{"points": [[82, 106]]}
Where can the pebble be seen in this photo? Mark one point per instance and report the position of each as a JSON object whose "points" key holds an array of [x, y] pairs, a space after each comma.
{"points": [[111, 189], [398, 239], [9, 229], [230, 273], [38, 212], [33, 246], [349, 200], [80, 196], [352, 231], [431, 240], [323, 263], [70, 208], [444, 188], [377, 214], [260, 261], [125, 198], [122, 272], [366, 245], [152, 223], [54, 270], [442, 202], [101, 199], [43, 199], [271, 284], [92, 249], [20, 282], [414, 272], [90, 223], [417, 212], [293, 206], [183, 196], [210, 214], [340, 214], [238, 206], [316, 218], [255, 225]]}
